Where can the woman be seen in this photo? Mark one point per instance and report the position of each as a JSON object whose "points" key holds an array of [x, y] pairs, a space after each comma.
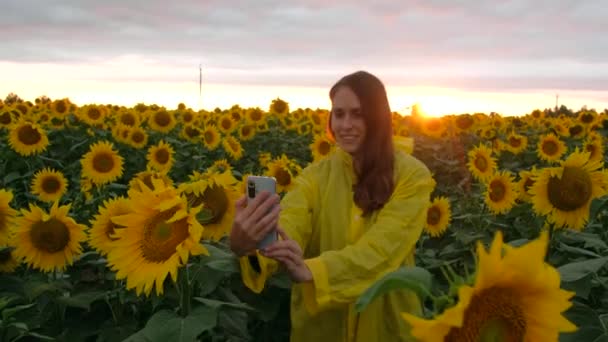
{"points": [[350, 219]]}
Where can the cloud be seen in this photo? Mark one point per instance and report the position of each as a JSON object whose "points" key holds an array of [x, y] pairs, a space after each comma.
{"points": [[469, 44]]}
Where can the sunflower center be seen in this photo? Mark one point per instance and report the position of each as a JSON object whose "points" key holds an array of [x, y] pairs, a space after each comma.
{"points": [[103, 162], [570, 192], [187, 117], [283, 177], [246, 130], [575, 130], [515, 142], [162, 118], [494, 314], [464, 122], [324, 147], [481, 163], [433, 216], [61, 107], [94, 113], [497, 190], [161, 238], [215, 203], [549, 147], [51, 185], [316, 119], [28, 135], [162, 156], [256, 115], [587, 118], [127, 119], [5, 118], [226, 123], [50, 236], [192, 132], [209, 137], [137, 137]]}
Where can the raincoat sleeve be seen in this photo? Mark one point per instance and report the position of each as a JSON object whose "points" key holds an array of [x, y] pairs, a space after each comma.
{"points": [[341, 276], [295, 219]]}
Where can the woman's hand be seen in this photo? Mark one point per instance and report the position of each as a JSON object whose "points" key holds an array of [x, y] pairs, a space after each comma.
{"points": [[289, 254], [253, 222]]}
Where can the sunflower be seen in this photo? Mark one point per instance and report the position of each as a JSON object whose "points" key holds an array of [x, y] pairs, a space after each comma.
{"points": [[61, 106], [211, 137], [565, 193], [7, 117], [255, 116], [284, 171], [92, 115], [321, 147], [433, 127], [501, 192], [264, 158], [279, 107], [138, 137], [48, 241], [191, 133], [7, 215], [162, 121], [464, 123], [438, 216], [215, 194], [481, 163], [595, 147], [102, 164], [146, 178], [188, 116], [516, 143], [8, 262], [220, 166], [526, 180], [577, 131], [587, 118], [550, 148], [160, 157], [233, 147], [516, 297], [226, 124], [246, 132], [101, 235], [128, 118], [160, 234], [304, 128], [49, 185], [27, 138]]}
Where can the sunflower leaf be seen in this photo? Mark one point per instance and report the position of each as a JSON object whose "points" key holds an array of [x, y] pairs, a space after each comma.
{"points": [[416, 279], [577, 270], [166, 325]]}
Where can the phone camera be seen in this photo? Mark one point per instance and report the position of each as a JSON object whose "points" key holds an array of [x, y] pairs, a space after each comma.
{"points": [[251, 189]]}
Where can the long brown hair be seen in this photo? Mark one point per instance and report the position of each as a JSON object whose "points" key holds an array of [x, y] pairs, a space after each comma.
{"points": [[375, 175]]}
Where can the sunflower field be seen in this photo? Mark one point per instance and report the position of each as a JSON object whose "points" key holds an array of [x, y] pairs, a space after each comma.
{"points": [[114, 222]]}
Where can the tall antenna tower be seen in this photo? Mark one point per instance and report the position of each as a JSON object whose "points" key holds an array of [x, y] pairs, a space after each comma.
{"points": [[556, 102]]}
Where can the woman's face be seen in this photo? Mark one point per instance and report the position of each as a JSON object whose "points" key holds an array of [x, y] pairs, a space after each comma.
{"points": [[347, 122]]}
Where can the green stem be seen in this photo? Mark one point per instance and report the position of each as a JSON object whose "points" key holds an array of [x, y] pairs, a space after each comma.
{"points": [[185, 291]]}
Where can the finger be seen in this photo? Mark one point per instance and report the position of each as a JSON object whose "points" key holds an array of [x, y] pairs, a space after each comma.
{"points": [[241, 202], [283, 253], [252, 205], [267, 222], [264, 208]]}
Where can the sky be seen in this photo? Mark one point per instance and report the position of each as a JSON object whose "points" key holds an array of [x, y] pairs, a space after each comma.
{"points": [[451, 56]]}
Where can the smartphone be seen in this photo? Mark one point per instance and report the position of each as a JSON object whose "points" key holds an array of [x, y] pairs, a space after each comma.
{"points": [[255, 185]]}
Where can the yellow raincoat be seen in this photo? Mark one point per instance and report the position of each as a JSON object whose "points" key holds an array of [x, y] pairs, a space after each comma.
{"points": [[347, 253]]}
